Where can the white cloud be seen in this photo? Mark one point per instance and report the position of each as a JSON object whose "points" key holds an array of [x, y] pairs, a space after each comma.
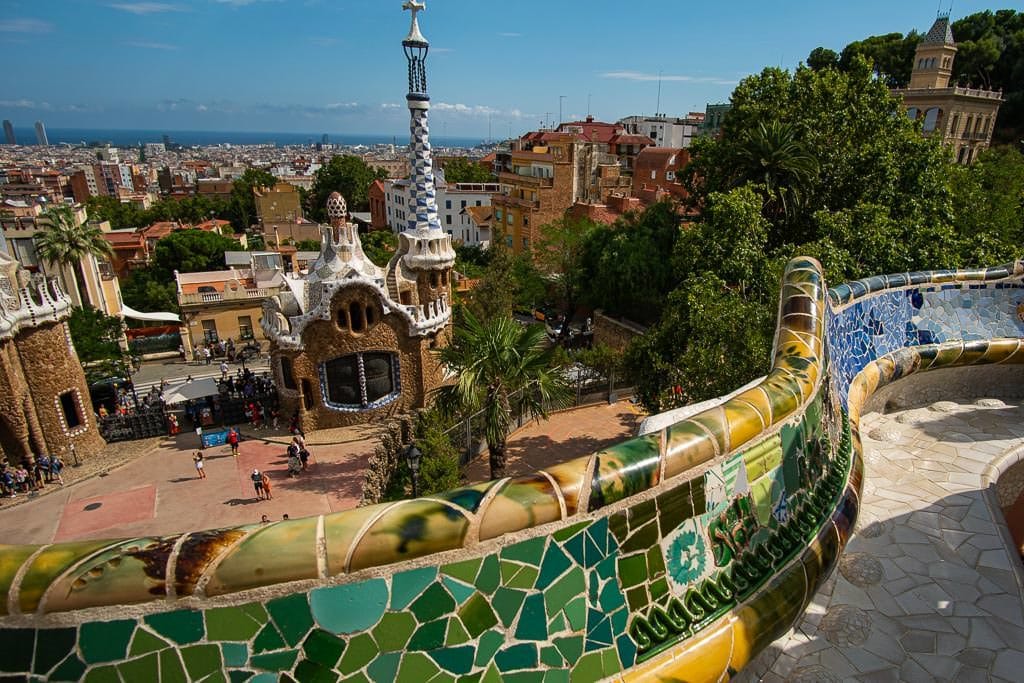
{"points": [[341, 105], [146, 7], [478, 110], [21, 104], [242, 3], [201, 108], [640, 76], [390, 105], [25, 26], [510, 35], [151, 46]]}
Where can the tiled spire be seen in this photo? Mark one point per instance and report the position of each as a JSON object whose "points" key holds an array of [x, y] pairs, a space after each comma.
{"points": [[423, 215]]}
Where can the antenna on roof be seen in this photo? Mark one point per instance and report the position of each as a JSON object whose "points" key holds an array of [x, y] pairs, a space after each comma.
{"points": [[657, 110], [588, 104]]}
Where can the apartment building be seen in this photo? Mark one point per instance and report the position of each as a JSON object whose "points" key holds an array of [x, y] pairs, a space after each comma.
{"points": [[452, 201]]}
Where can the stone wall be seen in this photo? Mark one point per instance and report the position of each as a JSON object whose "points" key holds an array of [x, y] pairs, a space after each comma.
{"points": [[613, 332]]}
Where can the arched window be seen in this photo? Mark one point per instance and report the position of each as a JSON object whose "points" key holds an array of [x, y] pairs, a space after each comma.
{"points": [[371, 316], [913, 113], [435, 279], [355, 316], [287, 373], [361, 381], [931, 118]]}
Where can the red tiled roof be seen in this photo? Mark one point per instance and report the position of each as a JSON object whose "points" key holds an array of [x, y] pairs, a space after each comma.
{"points": [[631, 140]]}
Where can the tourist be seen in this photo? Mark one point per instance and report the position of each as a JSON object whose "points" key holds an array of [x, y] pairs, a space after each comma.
{"points": [[207, 354], [293, 426], [304, 457], [285, 516], [172, 424], [257, 483], [181, 352], [266, 486], [200, 469], [103, 411], [264, 519], [56, 467], [7, 481], [43, 468], [294, 464], [223, 370], [35, 473], [21, 479], [233, 441]]}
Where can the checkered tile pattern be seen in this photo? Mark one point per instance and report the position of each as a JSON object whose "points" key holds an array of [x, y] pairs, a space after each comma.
{"points": [[423, 217]]}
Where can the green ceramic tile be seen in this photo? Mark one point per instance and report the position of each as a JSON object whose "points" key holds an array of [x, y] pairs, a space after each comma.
{"points": [[611, 597], [525, 578], [574, 546], [201, 660], [102, 674], [360, 677], [576, 612], [554, 565], [384, 668], [171, 668], [464, 571], [272, 554], [429, 636], [48, 566], [182, 626], [71, 669], [523, 677], [522, 656], [275, 661], [477, 615], [360, 651], [658, 589], [11, 559], [52, 646], [310, 672], [558, 624], [472, 678], [143, 669], [506, 603], [551, 657], [533, 622], [556, 676], [105, 641], [457, 634], [264, 678], [235, 654], [557, 596], [459, 590], [256, 611], [18, 645], [641, 539], [491, 675], [415, 668], [394, 631], [589, 668], [568, 532], [457, 660], [489, 578], [637, 598], [655, 561], [292, 616], [323, 648], [144, 642], [268, 639], [407, 586], [529, 551], [610, 662], [435, 602], [571, 648], [240, 676], [489, 644], [216, 677], [350, 608], [231, 623]]}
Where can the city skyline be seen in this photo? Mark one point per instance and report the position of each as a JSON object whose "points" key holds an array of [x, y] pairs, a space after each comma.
{"points": [[314, 66]]}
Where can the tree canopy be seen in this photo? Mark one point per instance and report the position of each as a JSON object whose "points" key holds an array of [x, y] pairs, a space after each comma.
{"points": [[463, 170], [349, 175]]}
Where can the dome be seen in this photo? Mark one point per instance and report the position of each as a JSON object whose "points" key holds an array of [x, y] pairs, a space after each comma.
{"points": [[336, 207]]}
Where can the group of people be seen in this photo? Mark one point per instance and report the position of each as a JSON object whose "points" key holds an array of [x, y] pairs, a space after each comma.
{"points": [[31, 476], [298, 456], [205, 353]]}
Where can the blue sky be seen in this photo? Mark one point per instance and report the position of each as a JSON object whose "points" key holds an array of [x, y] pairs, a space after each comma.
{"points": [[337, 66]]}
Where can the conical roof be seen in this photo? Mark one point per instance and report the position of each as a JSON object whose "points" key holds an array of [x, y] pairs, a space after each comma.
{"points": [[941, 33]]}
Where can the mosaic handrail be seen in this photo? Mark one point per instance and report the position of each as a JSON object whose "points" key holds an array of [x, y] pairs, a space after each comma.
{"points": [[70, 576], [680, 554]]}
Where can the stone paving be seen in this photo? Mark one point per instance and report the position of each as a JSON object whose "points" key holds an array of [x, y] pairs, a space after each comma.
{"points": [[929, 588]]}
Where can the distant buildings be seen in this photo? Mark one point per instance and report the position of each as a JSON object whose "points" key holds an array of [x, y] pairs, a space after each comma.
{"points": [[963, 117], [714, 115], [9, 133], [41, 134], [451, 202], [665, 131]]}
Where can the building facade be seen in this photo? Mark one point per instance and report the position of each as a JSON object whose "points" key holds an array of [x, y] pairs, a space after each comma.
{"points": [[44, 398], [451, 202], [41, 138], [964, 118], [352, 341], [665, 131], [9, 133]]}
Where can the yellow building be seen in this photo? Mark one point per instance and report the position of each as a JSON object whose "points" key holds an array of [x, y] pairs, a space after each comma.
{"points": [[277, 204], [964, 117]]}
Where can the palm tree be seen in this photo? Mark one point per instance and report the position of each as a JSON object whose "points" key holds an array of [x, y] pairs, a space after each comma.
{"points": [[774, 156], [65, 242], [503, 370]]}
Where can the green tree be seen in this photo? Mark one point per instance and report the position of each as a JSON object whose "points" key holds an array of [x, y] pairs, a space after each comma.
{"points": [[144, 291], [775, 157], [191, 251], [65, 242], [495, 294], [97, 337], [505, 371], [379, 246], [242, 209], [349, 175], [463, 170], [988, 201], [823, 58], [308, 245], [559, 254], [891, 56]]}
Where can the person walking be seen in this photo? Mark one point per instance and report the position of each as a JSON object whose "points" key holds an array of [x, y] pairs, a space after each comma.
{"points": [[223, 370], [265, 478], [207, 354], [200, 468], [257, 483], [56, 467], [233, 441]]}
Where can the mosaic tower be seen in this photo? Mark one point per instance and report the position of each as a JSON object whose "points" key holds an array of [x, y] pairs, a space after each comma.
{"points": [[425, 250]]}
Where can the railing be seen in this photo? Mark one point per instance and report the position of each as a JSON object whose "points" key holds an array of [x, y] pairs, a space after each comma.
{"points": [[228, 295], [520, 179]]}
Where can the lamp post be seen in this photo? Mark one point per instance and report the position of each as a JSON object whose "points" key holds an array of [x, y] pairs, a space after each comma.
{"points": [[413, 456]]}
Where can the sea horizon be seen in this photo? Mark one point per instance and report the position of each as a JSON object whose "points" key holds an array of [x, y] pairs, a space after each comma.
{"points": [[132, 137]]}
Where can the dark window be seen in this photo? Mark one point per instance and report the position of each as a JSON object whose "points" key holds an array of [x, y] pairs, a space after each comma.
{"points": [[361, 380], [287, 374], [69, 406], [307, 394], [448, 219], [448, 204], [434, 279], [355, 313], [371, 316]]}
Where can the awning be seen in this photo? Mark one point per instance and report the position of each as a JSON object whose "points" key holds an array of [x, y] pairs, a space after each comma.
{"points": [[129, 312], [200, 388]]}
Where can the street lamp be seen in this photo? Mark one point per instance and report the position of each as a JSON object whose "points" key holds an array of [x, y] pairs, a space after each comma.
{"points": [[413, 456]]}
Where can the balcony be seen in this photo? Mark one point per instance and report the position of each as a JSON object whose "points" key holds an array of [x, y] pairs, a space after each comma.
{"points": [[200, 298], [504, 200], [527, 180]]}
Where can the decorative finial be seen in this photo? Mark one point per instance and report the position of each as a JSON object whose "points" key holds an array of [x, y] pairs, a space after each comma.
{"points": [[414, 31]]}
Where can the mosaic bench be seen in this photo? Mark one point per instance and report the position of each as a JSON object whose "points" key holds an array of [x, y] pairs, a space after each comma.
{"points": [[682, 553]]}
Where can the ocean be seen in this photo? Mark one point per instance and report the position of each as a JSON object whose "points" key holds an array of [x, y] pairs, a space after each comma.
{"points": [[132, 138]]}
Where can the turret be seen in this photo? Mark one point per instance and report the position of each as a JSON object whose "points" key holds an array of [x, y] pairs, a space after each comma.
{"points": [[933, 60]]}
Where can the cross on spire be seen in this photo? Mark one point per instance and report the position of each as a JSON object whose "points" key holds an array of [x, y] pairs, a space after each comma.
{"points": [[414, 31]]}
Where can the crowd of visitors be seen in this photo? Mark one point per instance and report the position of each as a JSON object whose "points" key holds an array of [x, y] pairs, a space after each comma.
{"points": [[31, 475]]}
